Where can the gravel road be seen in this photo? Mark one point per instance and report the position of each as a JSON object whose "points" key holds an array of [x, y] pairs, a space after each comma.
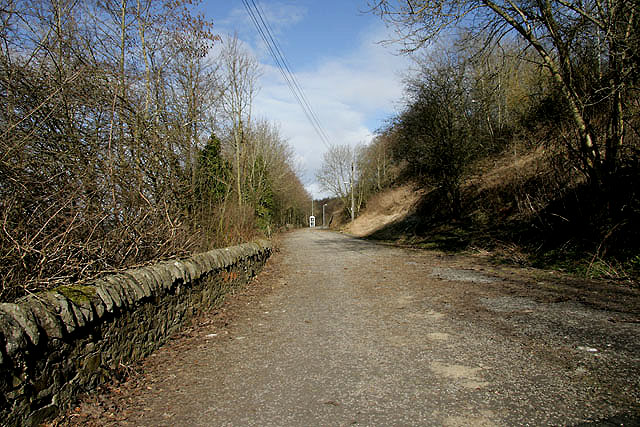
{"points": [[340, 331]]}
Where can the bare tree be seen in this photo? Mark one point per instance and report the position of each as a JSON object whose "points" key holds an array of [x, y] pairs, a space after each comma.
{"points": [[569, 36], [337, 175], [375, 163], [506, 87], [107, 155], [195, 90], [239, 75], [435, 133], [90, 177]]}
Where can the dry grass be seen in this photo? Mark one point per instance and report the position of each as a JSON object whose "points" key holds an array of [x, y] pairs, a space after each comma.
{"points": [[512, 165], [386, 207], [519, 184]]}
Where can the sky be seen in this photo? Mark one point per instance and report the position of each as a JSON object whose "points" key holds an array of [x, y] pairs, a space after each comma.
{"points": [[353, 82]]}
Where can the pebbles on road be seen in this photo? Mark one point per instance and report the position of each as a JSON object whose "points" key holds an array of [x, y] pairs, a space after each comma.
{"points": [[340, 331]]}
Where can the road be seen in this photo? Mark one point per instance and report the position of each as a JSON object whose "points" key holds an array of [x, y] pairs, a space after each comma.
{"points": [[349, 332]]}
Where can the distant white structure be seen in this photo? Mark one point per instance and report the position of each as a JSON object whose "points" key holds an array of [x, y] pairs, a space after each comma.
{"points": [[312, 221]]}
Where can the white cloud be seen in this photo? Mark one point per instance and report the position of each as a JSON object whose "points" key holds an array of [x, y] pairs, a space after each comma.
{"points": [[347, 92], [278, 15], [314, 189]]}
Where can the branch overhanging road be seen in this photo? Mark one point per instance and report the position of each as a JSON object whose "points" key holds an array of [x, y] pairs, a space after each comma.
{"points": [[356, 333]]}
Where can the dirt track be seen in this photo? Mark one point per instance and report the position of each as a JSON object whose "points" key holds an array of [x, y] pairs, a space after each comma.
{"points": [[340, 331]]}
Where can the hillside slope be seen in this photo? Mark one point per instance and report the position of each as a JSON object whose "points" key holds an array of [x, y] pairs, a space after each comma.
{"points": [[386, 208], [523, 207]]}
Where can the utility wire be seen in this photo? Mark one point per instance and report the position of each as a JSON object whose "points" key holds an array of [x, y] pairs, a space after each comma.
{"points": [[275, 43], [257, 15], [264, 29]]}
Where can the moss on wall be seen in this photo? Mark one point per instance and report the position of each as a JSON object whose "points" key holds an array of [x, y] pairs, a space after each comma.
{"points": [[58, 344]]}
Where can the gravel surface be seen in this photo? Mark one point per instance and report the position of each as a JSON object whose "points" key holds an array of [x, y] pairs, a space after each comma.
{"points": [[339, 331]]}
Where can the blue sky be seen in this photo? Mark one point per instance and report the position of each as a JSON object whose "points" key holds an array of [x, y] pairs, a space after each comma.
{"points": [[352, 82]]}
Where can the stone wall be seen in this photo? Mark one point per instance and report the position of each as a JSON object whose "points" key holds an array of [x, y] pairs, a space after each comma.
{"points": [[57, 344]]}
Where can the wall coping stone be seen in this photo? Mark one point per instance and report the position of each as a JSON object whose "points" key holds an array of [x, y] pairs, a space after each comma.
{"points": [[60, 342], [58, 313]]}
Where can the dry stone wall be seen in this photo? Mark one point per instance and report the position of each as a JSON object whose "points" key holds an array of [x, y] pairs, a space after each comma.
{"points": [[57, 344]]}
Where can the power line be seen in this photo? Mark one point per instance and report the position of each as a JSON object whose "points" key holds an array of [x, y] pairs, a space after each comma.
{"points": [[288, 69], [264, 29]]}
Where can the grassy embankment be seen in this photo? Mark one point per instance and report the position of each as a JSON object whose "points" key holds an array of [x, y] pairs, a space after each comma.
{"points": [[521, 207]]}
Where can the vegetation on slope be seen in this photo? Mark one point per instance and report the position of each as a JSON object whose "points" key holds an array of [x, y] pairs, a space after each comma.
{"points": [[521, 125]]}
